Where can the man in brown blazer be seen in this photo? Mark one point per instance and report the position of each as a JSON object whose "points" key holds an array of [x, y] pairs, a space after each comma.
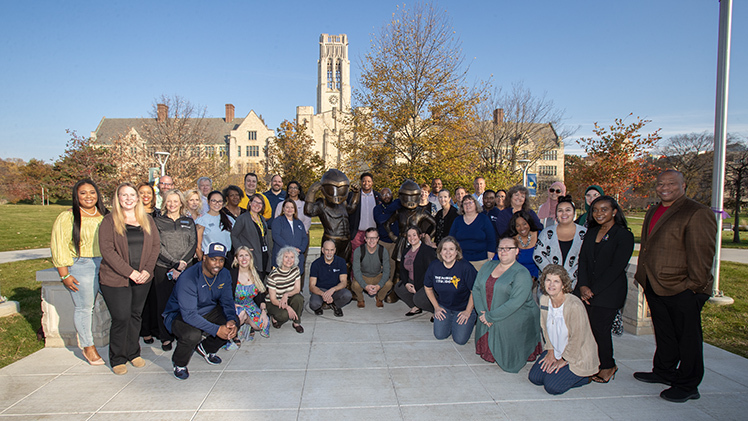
{"points": [[674, 268]]}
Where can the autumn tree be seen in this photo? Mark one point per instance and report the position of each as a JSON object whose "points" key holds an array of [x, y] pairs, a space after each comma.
{"points": [[415, 106], [23, 181], [616, 157], [291, 154], [517, 125], [180, 128], [83, 159]]}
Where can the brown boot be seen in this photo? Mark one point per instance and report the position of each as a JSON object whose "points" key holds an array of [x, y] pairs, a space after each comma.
{"points": [[361, 304]]}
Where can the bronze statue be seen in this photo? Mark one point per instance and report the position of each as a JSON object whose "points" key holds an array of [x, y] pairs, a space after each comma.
{"points": [[410, 214], [333, 210]]}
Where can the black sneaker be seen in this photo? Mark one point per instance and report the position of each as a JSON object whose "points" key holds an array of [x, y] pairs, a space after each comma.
{"points": [[674, 394], [181, 373], [318, 311], [212, 359], [337, 311]]}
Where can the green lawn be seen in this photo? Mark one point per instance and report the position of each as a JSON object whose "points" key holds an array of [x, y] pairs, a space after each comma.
{"points": [[27, 226]]}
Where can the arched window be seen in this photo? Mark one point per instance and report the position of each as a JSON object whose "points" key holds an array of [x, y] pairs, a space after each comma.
{"points": [[338, 74], [329, 74]]}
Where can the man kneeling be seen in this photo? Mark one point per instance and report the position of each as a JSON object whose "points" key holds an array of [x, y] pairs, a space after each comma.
{"points": [[328, 278], [201, 305], [371, 270]]}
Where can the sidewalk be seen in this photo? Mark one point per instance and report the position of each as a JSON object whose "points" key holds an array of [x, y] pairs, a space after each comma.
{"points": [[371, 364]]}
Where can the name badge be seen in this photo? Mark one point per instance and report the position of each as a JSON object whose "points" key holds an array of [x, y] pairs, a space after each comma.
{"points": [[264, 248]]}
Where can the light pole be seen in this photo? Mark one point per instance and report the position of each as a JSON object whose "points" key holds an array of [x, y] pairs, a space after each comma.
{"points": [[524, 170], [162, 158]]}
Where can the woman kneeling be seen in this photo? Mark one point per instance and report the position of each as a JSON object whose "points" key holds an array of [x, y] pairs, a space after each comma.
{"points": [[448, 284], [570, 355]]}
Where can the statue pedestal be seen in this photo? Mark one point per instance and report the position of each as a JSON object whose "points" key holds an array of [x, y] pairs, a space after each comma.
{"points": [[636, 319], [57, 313]]}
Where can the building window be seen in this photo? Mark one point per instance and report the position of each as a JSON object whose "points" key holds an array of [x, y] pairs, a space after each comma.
{"points": [[239, 150], [547, 170], [550, 155], [221, 151], [338, 74], [253, 151], [252, 135], [246, 151], [329, 73], [211, 150]]}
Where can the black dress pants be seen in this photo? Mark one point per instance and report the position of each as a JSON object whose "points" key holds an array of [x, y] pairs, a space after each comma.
{"points": [[125, 307], [676, 319], [601, 322], [189, 337]]}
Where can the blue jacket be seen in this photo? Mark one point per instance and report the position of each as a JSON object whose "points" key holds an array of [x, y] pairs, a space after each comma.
{"points": [[382, 213], [193, 299], [282, 237]]}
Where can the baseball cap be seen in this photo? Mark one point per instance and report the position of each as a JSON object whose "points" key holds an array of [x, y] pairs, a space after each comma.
{"points": [[216, 250]]}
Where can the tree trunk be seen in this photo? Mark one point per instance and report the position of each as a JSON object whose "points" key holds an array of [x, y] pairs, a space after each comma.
{"points": [[738, 189]]}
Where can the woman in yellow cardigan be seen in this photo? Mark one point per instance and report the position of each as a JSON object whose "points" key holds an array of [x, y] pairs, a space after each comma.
{"points": [[570, 355], [76, 255]]}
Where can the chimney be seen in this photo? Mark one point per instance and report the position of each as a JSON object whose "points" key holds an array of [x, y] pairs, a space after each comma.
{"points": [[162, 111], [498, 116], [229, 113]]}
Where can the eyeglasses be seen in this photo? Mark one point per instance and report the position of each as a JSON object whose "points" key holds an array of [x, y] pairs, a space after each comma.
{"points": [[506, 249], [216, 201], [554, 191], [372, 238]]}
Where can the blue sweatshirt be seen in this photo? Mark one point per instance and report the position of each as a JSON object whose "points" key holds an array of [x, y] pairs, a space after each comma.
{"points": [[193, 298], [477, 239]]}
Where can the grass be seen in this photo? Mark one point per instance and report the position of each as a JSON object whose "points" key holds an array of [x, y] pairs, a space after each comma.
{"points": [[27, 226], [18, 332], [726, 327]]}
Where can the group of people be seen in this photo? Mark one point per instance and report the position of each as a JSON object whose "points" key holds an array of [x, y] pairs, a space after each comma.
{"points": [[542, 287]]}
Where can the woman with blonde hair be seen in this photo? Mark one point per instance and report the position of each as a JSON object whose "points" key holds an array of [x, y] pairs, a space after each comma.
{"points": [[284, 300], [194, 204], [129, 244], [178, 242], [249, 296]]}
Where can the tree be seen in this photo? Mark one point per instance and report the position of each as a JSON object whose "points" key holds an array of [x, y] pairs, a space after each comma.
{"points": [[83, 159], [736, 173], [291, 154], [416, 107], [517, 125], [617, 157], [180, 128], [691, 155]]}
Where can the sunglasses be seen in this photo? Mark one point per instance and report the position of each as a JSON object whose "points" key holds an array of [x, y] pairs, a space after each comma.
{"points": [[554, 191]]}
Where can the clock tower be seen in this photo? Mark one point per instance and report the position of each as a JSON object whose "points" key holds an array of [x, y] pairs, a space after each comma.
{"points": [[333, 74]]}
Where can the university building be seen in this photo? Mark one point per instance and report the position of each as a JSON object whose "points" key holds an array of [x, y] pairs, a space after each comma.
{"points": [[243, 141]]}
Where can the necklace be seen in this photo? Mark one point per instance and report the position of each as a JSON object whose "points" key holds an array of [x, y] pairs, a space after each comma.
{"points": [[86, 212], [210, 285], [522, 243]]}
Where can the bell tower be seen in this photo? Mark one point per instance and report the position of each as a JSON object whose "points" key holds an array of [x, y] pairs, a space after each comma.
{"points": [[333, 74]]}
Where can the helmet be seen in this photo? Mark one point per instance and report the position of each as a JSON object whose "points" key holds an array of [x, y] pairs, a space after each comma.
{"points": [[335, 186], [410, 194]]}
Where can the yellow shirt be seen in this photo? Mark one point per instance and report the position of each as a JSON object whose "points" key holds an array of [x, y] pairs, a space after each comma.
{"points": [[63, 250], [267, 213]]}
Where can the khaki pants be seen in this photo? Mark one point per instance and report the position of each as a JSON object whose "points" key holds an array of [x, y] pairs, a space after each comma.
{"points": [[371, 281], [479, 264]]}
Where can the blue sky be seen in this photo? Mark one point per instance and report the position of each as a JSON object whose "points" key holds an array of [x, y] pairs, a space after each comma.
{"points": [[68, 64]]}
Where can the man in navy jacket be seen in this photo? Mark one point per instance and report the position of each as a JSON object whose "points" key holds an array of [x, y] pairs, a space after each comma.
{"points": [[201, 304]]}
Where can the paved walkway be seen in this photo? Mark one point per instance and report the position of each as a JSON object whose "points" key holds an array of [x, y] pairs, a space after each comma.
{"points": [[371, 364]]}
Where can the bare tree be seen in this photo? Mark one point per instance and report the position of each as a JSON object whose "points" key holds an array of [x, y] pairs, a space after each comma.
{"points": [[691, 154], [180, 128], [736, 167], [517, 125]]}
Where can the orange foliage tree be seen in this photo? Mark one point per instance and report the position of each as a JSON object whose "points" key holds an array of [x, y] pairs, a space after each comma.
{"points": [[616, 159]]}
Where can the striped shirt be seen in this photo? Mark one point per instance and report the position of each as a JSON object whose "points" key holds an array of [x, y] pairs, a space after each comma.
{"points": [[282, 282]]}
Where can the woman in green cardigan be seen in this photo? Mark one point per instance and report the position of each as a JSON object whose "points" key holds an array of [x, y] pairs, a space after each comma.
{"points": [[508, 327]]}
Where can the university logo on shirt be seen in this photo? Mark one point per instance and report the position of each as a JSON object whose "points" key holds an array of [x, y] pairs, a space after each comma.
{"points": [[455, 281]]}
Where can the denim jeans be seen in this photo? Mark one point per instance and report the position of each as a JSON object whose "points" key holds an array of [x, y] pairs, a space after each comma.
{"points": [[558, 382], [86, 271], [449, 326]]}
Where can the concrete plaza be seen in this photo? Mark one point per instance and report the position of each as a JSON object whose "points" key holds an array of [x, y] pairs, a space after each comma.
{"points": [[371, 364]]}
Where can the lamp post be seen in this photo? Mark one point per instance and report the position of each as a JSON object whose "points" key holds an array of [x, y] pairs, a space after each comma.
{"points": [[162, 158], [524, 170]]}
